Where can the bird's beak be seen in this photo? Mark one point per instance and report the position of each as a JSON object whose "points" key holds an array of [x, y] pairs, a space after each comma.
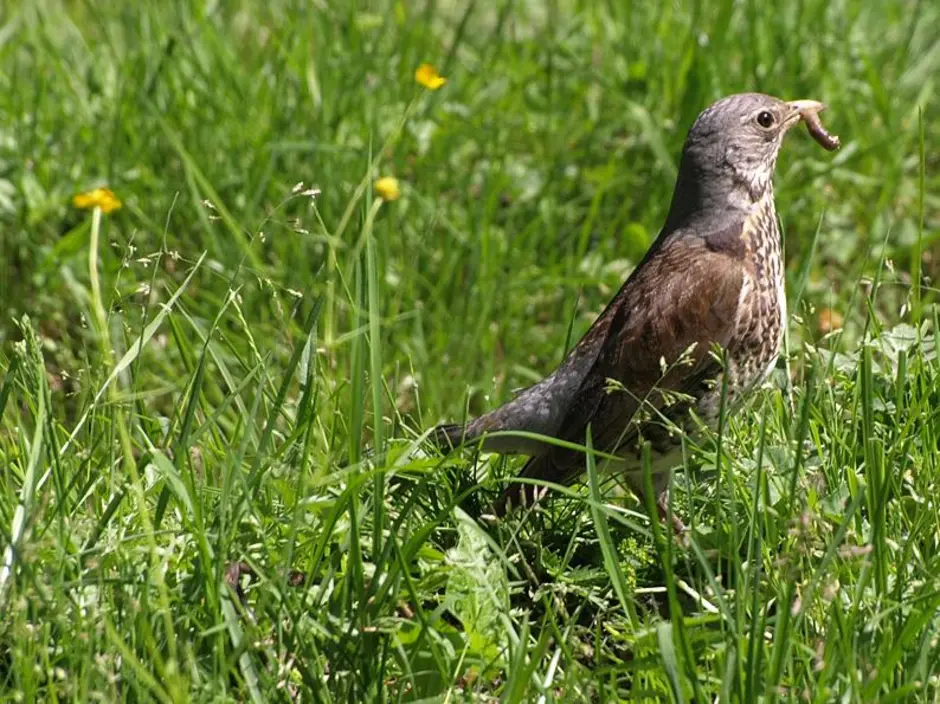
{"points": [[800, 108]]}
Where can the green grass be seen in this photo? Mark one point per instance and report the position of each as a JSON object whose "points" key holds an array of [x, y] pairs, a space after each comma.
{"points": [[248, 373]]}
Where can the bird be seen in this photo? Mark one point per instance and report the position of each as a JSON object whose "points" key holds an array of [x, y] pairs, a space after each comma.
{"points": [[705, 305]]}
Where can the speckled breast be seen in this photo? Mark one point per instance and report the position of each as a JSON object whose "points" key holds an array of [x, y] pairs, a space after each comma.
{"points": [[756, 341], [755, 346]]}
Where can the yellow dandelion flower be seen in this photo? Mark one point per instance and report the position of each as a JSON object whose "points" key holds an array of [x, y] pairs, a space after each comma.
{"points": [[428, 76], [103, 198], [388, 188]]}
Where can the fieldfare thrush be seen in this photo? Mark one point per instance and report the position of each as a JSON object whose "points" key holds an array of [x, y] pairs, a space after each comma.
{"points": [[707, 300]]}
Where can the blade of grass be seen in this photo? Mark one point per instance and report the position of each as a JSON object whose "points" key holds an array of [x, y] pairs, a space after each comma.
{"points": [[618, 579], [664, 549], [22, 515], [135, 349]]}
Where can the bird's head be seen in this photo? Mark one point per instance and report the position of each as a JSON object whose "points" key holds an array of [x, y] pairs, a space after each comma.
{"points": [[730, 153]]}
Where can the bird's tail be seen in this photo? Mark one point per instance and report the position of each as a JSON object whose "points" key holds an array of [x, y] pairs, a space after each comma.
{"points": [[448, 436]]}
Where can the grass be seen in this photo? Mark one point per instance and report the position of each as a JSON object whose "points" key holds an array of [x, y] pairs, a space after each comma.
{"points": [[229, 381]]}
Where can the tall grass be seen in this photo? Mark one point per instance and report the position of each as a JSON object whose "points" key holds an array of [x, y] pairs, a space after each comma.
{"points": [[214, 402]]}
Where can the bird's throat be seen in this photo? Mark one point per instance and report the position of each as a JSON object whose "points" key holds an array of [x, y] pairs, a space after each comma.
{"points": [[705, 204]]}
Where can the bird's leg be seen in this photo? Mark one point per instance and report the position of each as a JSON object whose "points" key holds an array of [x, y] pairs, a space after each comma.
{"points": [[662, 504], [661, 489], [524, 496]]}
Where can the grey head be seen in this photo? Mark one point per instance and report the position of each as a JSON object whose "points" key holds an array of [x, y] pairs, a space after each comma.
{"points": [[729, 156]]}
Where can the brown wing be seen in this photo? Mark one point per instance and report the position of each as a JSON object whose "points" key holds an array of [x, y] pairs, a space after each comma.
{"points": [[687, 293]]}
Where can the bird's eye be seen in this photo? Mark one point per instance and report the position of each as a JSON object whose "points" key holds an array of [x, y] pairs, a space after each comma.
{"points": [[765, 119]]}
